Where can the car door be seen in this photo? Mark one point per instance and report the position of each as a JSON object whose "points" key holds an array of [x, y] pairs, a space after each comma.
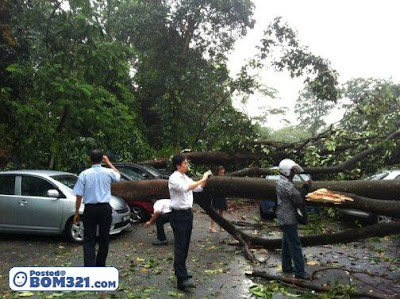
{"points": [[36, 211], [8, 201]]}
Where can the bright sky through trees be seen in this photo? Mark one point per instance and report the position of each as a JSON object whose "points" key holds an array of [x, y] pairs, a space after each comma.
{"points": [[358, 37]]}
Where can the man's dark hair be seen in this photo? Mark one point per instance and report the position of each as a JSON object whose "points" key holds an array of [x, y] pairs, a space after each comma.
{"points": [[219, 168], [96, 156], [177, 160]]}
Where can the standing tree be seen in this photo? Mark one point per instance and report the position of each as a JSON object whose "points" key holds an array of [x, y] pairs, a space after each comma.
{"points": [[311, 111]]}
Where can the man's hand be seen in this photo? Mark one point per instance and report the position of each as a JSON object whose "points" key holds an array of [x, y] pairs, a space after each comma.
{"points": [[207, 174], [147, 224], [106, 160], [77, 218], [109, 164]]}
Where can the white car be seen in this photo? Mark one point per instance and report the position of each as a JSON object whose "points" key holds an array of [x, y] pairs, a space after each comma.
{"points": [[42, 202], [370, 217]]}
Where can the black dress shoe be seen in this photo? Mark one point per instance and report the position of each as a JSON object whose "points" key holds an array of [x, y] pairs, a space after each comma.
{"points": [[305, 276], [288, 272], [158, 242], [185, 285]]}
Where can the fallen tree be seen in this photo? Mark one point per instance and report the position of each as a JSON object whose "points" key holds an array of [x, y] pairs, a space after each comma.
{"points": [[379, 197], [374, 196], [279, 153], [248, 241], [342, 167], [213, 157], [254, 188], [319, 288]]}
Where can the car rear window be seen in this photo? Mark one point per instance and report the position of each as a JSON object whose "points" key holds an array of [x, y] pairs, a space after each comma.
{"points": [[7, 184]]}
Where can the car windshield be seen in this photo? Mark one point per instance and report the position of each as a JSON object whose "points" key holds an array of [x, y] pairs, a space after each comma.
{"points": [[378, 176], [152, 170], [132, 173], [68, 180]]}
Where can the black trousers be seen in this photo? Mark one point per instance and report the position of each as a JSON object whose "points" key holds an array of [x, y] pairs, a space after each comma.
{"points": [[96, 215], [161, 220], [182, 224]]}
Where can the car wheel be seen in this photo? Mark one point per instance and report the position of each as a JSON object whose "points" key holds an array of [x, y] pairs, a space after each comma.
{"points": [[74, 232], [138, 214]]}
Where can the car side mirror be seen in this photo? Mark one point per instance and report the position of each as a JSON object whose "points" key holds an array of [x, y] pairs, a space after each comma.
{"points": [[53, 193]]}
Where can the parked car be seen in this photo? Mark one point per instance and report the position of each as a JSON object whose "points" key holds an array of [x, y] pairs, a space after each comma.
{"points": [[268, 207], [134, 171], [370, 217], [140, 210], [42, 202]]}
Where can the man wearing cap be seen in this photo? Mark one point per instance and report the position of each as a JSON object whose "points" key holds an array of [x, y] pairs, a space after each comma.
{"points": [[288, 198], [160, 216]]}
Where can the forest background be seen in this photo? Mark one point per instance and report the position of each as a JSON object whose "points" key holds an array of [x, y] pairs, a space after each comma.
{"points": [[149, 78]]}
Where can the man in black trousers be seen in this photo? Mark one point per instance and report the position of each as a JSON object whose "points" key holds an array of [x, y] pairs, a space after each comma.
{"points": [[160, 216], [94, 186], [181, 189]]}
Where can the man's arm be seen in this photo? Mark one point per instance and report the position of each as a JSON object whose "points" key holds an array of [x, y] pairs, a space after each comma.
{"points": [[202, 182], [109, 164], [152, 219], [78, 202]]}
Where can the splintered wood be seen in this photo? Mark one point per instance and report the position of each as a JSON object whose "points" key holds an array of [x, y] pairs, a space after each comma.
{"points": [[324, 195]]}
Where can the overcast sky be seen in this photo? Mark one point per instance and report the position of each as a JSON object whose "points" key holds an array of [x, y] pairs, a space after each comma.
{"points": [[359, 37]]}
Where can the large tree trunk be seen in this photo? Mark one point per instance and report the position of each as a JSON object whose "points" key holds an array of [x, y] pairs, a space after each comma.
{"points": [[265, 189], [208, 158], [378, 230], [373, 196]]}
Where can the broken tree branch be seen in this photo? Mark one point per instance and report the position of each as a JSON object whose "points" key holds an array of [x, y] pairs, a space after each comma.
{"points": [[317, 288]]}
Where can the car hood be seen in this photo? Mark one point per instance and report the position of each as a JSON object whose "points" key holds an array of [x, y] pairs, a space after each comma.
{"points": [[117, 203]]}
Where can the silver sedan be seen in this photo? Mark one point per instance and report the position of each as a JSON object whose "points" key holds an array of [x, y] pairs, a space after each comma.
{"points": [[41, 202]]}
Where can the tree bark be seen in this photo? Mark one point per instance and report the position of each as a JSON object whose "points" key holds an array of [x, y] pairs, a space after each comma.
{"points": [[207, 158], [377, 230], [265, 189], [223, 158], [318, 288], [141, 189], [381, 194]]}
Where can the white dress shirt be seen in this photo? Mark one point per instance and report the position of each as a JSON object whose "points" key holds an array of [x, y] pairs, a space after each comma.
{"points": [[162, 206], [181, 196]]}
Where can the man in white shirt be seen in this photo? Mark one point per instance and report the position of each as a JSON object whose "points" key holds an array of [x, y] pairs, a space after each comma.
{"points": [[160, 216], [181, 189]]}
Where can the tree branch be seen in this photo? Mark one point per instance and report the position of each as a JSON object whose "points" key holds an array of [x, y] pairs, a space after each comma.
{"points": [[350, 163], [318, 288]]}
